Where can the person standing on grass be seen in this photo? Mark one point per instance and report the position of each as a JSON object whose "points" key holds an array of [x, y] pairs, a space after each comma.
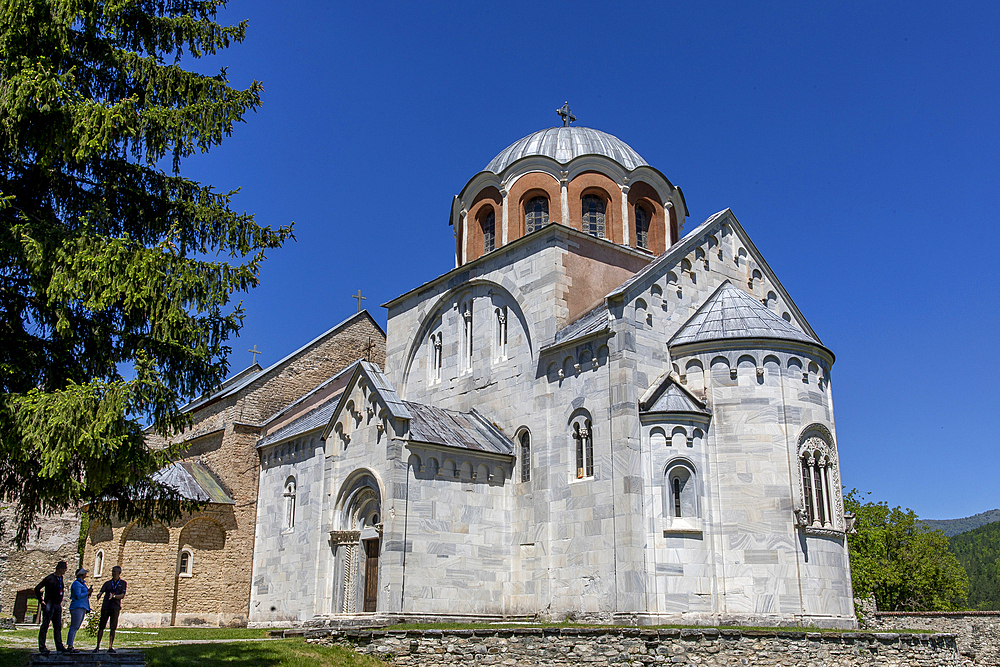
{"points": [[79, 605], [51, 607], [113, 592]]}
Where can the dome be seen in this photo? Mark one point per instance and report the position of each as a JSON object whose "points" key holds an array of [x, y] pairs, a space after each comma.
{"points": [[563, 144]]}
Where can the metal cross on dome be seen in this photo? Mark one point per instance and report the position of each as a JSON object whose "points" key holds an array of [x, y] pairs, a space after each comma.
{"points": [[566, 114]]}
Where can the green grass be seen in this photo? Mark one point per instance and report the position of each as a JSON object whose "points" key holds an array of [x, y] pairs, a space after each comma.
{"points": [[130, 636], [286, 653], [14, 657], [281, 653]]}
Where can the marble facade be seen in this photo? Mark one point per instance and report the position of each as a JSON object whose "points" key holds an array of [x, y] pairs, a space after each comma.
{"points": [[568, 426]]}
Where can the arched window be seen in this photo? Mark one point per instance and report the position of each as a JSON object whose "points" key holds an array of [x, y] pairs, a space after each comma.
{"points": [[467, 338], [593, 216], [583, 435], [186, 564], [488, 224], [536, 214], [816, 461], [99, 563], [641, 227], [681, 495], [500, 338], [525, 456], [436, 356], [289, 503]]}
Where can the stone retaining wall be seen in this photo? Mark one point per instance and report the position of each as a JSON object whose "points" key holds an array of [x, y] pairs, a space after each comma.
{"points": [[556, 647], [977, 633]]}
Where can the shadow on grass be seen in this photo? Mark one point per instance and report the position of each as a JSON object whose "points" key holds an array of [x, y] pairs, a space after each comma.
{"points": [[286, 653], [14, 657]]}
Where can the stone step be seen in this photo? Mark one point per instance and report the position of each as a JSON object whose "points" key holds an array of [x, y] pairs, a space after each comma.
{"points": [[127, 657]]}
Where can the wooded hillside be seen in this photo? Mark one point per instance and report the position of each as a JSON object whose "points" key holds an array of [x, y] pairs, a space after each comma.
{"points": [[979, 552]]}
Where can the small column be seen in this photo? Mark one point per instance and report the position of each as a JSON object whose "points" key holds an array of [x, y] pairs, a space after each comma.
{"points": [[811, 464], [462, 220], [666, 226], [564, 197], [504, 236], [626, 241], [824, 467]]}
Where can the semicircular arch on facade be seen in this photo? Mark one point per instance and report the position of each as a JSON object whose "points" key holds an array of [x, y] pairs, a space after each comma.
{"points": [[816, 429], [430, 318], [360, 495]]}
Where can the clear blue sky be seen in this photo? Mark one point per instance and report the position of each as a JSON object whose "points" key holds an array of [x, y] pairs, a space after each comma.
{"points": [[857, 143]]}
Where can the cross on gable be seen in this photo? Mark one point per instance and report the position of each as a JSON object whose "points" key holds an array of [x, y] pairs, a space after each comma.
{"points": [[567, 115], [255, 352], [359, 298], [369, 348]]}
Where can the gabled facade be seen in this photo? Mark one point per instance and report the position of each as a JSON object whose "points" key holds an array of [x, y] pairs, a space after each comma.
{"points": [[571, 425], [196, 571]]}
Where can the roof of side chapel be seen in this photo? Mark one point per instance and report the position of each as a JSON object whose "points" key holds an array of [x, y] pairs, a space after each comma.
{"points": [[731, 313]]}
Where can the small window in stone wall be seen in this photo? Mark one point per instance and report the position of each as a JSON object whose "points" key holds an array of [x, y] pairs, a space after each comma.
{"points": [[681, 495], [289, 496], [99, 563], [584, 439], [525, 456], [186, 564]]}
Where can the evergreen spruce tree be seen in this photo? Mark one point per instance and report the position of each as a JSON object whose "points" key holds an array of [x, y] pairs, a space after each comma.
{"points": [[116, 273]]}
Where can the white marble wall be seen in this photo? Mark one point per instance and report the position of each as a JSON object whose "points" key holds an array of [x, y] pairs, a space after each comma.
{"points": [[284, 562]]}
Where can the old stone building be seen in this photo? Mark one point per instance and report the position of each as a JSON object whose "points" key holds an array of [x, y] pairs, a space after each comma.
{"points": [[197, 570], [55, 538], [593, 414]]}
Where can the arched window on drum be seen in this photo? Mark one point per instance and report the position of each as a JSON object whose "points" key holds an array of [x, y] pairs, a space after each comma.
{"points": [[641, 227], [593, 216], [536, 214]]}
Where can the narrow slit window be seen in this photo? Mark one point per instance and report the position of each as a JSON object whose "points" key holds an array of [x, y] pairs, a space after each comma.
{"points": [[489, 232], [525, 457]]}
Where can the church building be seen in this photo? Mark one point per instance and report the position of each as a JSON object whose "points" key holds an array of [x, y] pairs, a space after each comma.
{"points": [[595, 415]]}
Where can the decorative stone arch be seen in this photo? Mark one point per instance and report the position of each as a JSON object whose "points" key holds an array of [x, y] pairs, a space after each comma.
{"points": [[356, 542], [461, 294], [822, 504]]}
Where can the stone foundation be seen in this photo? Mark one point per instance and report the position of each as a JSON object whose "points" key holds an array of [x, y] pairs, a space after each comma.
{"points": [[556, 647], [977, 633]]}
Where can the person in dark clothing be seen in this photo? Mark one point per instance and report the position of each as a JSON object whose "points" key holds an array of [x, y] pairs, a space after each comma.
{"points": [[51, 606], [113, 592]]}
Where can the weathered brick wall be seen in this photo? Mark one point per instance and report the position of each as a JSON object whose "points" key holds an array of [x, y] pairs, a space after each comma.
{"points": [[556, 647], [55, 540], [218, 592], [977, 633]]}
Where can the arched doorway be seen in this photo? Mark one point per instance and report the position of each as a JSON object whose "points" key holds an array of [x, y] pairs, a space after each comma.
{"points": [[357, 545]]}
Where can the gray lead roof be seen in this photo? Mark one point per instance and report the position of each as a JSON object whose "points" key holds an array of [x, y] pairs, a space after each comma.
{"points": [[468, 430], [562, 144], [732, 313]]}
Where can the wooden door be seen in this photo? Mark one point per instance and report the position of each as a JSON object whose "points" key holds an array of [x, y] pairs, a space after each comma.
{"points": [[371, 574]]}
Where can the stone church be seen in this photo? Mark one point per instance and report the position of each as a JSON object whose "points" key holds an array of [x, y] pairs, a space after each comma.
{"points": [[595, 414], [196, 571]]}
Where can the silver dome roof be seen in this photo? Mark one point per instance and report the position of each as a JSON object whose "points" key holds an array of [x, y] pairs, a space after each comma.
{"points": [[562, 144]]}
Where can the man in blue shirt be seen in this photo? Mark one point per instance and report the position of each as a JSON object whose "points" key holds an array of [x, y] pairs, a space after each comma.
{"points": [[52, 585]]}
